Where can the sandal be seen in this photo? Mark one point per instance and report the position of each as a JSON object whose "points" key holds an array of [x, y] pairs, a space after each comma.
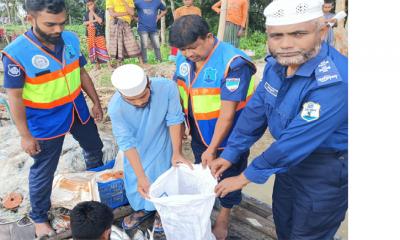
{"points": [[135, 220]]}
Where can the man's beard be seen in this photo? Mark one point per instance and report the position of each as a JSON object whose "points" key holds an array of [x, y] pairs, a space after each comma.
{"points": [[301, 56], [47, 37]]}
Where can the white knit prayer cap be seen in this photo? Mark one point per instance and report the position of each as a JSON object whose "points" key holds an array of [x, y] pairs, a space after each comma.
{"points": [[129, 79], [286, 12]]}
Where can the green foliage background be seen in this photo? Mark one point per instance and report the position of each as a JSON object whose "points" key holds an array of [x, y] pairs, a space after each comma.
{"points": [[255, 41]]}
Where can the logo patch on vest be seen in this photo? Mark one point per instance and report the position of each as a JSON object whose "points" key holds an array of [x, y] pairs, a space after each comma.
{"points": [[69, 50], [310, 111], [40, 61], [184, 69], [232, 84], [14, 70], [210, 75]]}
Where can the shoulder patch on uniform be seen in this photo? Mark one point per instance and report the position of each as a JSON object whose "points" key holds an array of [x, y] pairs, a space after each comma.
{"points": [[14, 70], [232, 84], [327, 73], [310, 111]]}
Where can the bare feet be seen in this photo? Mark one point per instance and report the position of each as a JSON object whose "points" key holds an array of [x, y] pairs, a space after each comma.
{"points": [[43, 229], [109, 66], [220, 229]]}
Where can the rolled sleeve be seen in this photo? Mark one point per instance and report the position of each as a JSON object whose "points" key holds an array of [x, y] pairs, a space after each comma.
{"points": [[236, 84], [174, 115], [14, 76]]}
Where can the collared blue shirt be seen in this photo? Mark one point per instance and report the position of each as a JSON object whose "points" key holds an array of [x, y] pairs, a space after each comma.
{"points": [[18, 80], [305, 113]]}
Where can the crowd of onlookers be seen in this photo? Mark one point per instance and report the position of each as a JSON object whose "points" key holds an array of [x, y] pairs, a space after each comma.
{"points": [[145, 14]]}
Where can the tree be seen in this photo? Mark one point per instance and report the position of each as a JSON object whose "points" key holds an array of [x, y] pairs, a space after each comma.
{"points": [[76, 11]]}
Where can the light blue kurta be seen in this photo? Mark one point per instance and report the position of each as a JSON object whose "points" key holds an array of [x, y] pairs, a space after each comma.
{"points": [[146, 130]]}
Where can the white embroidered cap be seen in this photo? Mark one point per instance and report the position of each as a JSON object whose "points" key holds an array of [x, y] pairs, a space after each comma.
{"points": [[286, 12], [129, 79]]}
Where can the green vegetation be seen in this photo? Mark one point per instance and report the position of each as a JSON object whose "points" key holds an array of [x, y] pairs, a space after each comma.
{"points": [[255, 42]]}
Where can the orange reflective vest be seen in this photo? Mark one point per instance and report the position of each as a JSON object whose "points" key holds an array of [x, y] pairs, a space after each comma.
{"points": [[52, 88], [203, 90]]}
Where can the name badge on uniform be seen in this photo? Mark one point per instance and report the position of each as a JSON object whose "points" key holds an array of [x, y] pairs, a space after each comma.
{"points": [[232, 84], [273, 91], [310, 111]]}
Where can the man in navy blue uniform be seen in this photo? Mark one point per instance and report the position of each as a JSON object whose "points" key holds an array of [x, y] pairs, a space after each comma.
{"points": [[302, 99]]}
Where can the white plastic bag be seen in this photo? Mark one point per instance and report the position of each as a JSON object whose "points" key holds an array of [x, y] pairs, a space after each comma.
{"points": [[184, 198]]}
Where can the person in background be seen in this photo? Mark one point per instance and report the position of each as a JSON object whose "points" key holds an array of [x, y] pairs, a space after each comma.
{"points": [[91, 220], [148, 17], [122, 42], [188, 8], [44, 77], [95, 33], [236, 17], [146, 119], [329, 21]]}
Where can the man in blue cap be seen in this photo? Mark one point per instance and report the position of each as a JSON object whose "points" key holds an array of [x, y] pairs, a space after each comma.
{"points": [[302, 98]]}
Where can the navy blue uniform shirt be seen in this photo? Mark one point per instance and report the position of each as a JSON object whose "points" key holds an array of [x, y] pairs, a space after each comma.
{"points": [[13, 80], [305, 113]]}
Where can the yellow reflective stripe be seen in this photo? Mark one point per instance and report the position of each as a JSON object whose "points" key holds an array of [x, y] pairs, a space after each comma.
{"points": [[53, 90], [184, 97], [74, 80], [206, 103], [251, 89]]}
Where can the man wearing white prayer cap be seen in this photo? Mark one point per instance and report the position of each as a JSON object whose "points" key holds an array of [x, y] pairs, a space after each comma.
{"points": [[146, 118], [302, 99]]}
